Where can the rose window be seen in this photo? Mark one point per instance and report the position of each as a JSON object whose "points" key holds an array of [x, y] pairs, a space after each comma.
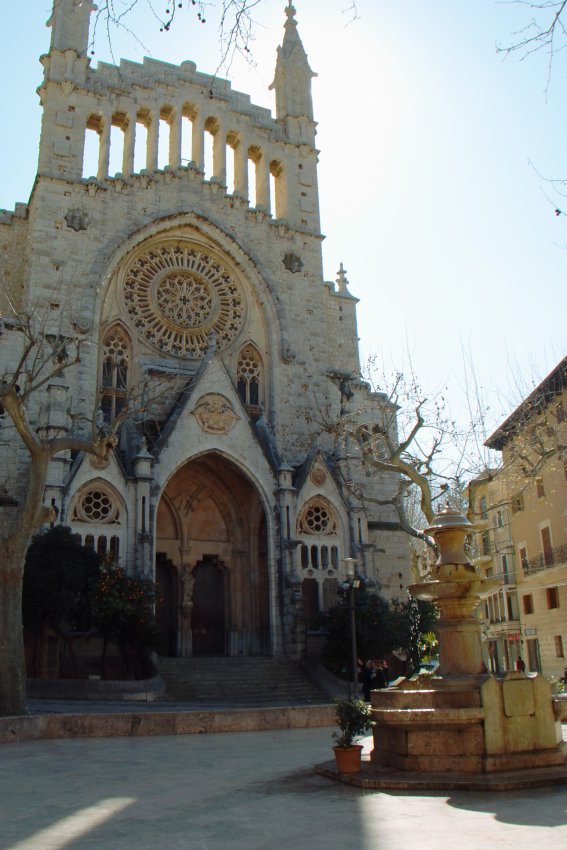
{"points": [[317, 518], [96, 506], [176, 296], [185, 300]]}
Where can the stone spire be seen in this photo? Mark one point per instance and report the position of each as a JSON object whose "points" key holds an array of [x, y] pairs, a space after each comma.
{"points": [[292, 81], [69, 24]]}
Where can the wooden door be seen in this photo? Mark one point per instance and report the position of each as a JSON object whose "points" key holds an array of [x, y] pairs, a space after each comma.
{"points": [[547, 547], [208, 609]]}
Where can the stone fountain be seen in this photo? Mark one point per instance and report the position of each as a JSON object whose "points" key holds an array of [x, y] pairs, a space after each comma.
{"points": [[463, 728]]}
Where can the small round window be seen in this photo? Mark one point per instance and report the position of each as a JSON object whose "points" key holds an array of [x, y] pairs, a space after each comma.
{"points": [[96, 505], [317, 518]]}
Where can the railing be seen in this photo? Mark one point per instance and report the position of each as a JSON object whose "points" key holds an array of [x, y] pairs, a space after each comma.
{"points": [[545, 560]]}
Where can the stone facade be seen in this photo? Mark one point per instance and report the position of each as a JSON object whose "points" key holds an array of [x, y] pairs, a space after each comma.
{"points": [[198, 299], [519, 511]]}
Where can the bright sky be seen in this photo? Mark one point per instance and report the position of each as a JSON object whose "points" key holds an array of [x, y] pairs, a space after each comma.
{"points": [[430, 194]]}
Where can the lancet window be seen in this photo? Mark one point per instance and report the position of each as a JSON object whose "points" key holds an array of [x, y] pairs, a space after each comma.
{"points": [[97, 520], [249, 377], [115, 365], [319, 555]]}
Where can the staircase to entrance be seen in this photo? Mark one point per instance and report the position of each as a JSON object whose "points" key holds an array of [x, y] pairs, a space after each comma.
{"points": [[251, 681]]}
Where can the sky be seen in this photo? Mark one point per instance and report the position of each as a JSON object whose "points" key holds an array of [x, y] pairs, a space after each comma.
{"points": [[436, 156]]}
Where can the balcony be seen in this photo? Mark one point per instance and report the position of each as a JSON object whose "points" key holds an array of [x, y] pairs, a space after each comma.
{"points": [[546, 560]]}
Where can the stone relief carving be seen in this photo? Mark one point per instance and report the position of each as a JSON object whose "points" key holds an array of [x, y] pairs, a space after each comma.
{"points": [[293, 263], [215, 414], [99, 462], [77, 219], [318, 476]]}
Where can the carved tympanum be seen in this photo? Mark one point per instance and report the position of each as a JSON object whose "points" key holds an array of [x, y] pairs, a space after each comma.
{"points": [[215, 414]]}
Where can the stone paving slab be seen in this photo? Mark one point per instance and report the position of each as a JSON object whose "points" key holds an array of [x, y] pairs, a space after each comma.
{"points": [[243, 791]]}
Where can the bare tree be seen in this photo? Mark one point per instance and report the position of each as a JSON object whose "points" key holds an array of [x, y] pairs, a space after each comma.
{"points": [[45, 358], [234, 19], [544, 32], [430, 459]]}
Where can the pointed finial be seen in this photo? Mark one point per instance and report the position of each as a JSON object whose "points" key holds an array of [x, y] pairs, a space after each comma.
{"points": [[290, 11], [69, 22], [342, 280]]}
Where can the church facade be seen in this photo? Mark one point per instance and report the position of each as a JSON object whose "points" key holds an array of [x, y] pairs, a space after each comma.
{"points": [[195, 291]]}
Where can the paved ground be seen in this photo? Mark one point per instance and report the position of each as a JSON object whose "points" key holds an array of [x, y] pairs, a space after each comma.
{"points": [[243, 791]]}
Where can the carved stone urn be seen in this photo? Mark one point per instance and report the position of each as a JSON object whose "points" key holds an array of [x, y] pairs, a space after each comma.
{"points": [[456, 588]]}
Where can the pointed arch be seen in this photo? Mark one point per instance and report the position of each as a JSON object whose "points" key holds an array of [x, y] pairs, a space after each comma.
{"points": [[115, 367], [250, 378], [98, 518], [318, 529]]}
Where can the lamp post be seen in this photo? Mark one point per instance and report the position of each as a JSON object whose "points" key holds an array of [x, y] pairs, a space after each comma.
{"points": [[352, 583]]}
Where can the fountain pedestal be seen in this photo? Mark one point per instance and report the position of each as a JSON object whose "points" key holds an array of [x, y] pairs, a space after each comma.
{"points": [[464, 721]]}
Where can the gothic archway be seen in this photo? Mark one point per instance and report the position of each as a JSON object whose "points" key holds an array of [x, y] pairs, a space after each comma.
{"points": [[211, 526]]}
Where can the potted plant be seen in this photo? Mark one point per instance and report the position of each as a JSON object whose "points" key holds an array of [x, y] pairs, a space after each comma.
{"points": [[353, 719]]}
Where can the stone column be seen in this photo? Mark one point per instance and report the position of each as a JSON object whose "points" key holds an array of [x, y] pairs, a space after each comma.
{"points": [[241, 168], [104, 148], [186, 583], [144, 537], [263, 183], [198, 141], [294, 611], [175, 139], [153, 141], [129, 145], [219, 154]]}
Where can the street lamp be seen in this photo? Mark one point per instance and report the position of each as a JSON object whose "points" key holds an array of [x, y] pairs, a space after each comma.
{"points": [[352, 584]]}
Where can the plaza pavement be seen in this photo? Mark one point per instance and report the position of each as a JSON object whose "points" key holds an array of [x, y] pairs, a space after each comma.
{"points": [[243, 791]]}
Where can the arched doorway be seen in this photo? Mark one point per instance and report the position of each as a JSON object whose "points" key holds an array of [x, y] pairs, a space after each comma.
{"points": [[212, 527]]}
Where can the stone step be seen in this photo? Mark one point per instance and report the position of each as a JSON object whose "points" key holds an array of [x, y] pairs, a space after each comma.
{"points": [[238, 681]]}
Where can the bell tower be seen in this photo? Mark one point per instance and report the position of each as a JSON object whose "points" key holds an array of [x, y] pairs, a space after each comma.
{"points": [[292, 81], [69, 24]]}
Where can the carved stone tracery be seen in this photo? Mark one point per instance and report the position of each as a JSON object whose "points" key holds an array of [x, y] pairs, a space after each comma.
{"points": [[317, 517], [177, 295], [96, 505]]}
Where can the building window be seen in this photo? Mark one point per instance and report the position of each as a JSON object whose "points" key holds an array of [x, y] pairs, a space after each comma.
{"points": [[547, 546], [485, 543], [499, 519], [505, 573], [523, 553], [96, 505], [483, 508], [517, 503], [317, 517], [552, 594], [559, 646], [528, 603], [540, 489], [248, 376], [115, 363], [560, 412]]}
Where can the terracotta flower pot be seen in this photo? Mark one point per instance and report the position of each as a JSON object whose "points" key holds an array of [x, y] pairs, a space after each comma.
{"points": [[348, 758]]}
